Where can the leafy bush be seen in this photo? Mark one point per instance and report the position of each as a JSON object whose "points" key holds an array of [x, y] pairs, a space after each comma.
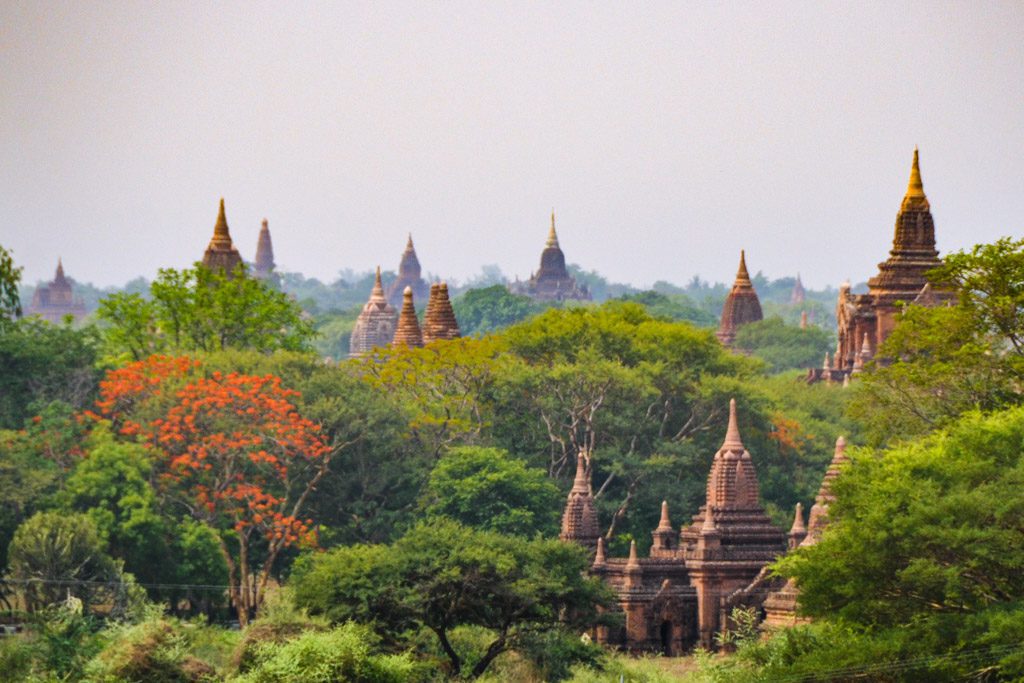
{"points": [[156, 650], [345, 653]]}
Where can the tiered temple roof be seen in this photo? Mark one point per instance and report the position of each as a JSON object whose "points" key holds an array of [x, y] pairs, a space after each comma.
{"points": [[679, 594], [407, 332], [741, 306], [409, 275], [552, 281], [731, 538], [439, 320], [263, 266], [376, 324], [55, 299], [221, 253]]}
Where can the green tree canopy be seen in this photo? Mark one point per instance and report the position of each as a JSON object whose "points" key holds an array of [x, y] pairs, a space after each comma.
{"points": [[950, 359], [200, 309], [10, 276], [782, 346], [485, 488], [442, 575], [481, 311]]}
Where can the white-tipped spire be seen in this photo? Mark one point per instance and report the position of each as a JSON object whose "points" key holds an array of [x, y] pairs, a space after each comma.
{"points": [[732, 442]]}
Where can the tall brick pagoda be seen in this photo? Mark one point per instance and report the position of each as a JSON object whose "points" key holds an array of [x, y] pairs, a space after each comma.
{"points": [[409, 275], [221, 253], [741, 306], [552, 281], [263, 266], [376, 324], [439, 320], [680, 595], [732, 538], [407, 332], [900, 280], [55, 299]]}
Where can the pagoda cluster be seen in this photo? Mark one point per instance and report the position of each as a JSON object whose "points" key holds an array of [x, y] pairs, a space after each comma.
{"points": [[681, 594]]}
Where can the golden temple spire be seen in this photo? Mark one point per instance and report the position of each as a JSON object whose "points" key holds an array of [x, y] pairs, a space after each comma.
{"points": [[742, 276], [552, 235], [915, 198], [221, 228]]}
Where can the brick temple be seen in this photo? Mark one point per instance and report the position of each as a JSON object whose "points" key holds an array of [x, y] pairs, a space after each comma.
{"points": [[55, 299], [221, 253], [552, 281], [409, 275], [864, 321], [741, 305], [680, 595]]}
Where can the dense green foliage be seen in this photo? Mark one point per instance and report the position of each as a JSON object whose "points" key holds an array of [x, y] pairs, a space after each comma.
{"points": [[200, 309], [480, 311], [485, 489], [40, 363], [10, 276], [947, 360], [441, 575], [782, 346]]}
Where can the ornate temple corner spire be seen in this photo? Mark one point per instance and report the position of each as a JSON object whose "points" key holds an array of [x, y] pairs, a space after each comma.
{"points": [[741, 306], [863, 356], [377, 322], [633, 571], [599, 558], [221, 253], [797, 532], [666, 540], [407, 332], [439, 321], [579, 520]]}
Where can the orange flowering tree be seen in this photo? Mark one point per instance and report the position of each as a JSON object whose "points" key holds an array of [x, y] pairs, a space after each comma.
{"points": [[230, 449]]}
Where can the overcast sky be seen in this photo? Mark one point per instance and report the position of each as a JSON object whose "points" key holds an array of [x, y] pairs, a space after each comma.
{"points": [[666, 136]]}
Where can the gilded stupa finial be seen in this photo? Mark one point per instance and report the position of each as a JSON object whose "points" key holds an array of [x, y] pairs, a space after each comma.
{"points": [[915, 197], [552, 235]]}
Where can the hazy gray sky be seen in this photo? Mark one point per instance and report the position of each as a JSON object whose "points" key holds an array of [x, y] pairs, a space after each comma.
{"points": [[665, 136]]}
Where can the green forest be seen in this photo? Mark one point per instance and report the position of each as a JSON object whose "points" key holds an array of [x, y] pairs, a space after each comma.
{"points": [[198, 485]]}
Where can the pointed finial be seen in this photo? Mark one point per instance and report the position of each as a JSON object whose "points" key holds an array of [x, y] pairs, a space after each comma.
{"points": [[840, 451], [798, 521], [60, 268], [742, 276], [377, 293], [408, 243], [915, 197], [552, 235], [221, 228], [599, 558], [407, 293], [665, 523], [865, 347], [732, 435], [265, 225], [634, 561], [581, 484], [708, 527]]}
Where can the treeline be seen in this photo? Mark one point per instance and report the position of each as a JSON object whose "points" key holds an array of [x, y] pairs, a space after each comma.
{"points": [[192, 446]]}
